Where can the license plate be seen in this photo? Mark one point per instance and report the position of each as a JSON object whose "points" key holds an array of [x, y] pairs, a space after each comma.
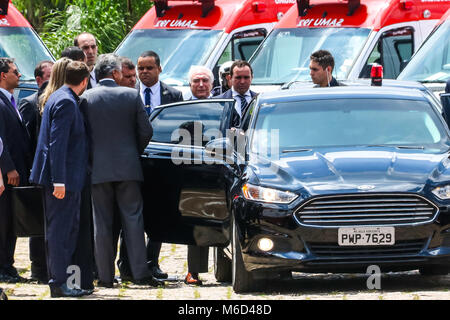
{"points": [[366, 236]]}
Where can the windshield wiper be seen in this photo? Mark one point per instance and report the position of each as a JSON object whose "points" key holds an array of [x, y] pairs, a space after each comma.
{"points": [[410, 147], [395, 146], [432, 81], [296, 150]]}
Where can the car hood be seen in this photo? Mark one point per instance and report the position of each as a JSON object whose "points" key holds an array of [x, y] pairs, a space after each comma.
{"points": [[353, 170]]}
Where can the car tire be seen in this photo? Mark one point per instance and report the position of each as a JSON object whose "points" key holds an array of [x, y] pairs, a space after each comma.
{"points": [[434, 270], [222, 266], [242, 280]]}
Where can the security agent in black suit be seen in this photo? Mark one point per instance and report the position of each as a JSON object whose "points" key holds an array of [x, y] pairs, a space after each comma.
{"points": [[29, 109], [153, 93], [15, 163], [241, 73]]}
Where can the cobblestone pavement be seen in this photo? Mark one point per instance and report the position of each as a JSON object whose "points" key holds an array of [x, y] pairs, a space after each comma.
{"points": [[394, 286]]}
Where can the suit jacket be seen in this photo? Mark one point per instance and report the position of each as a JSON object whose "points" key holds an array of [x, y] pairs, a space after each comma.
{"points": [[16, 142], [62, 148], [119, 130], [168, 94], [236, 119], [447, 87], [28, 108]]}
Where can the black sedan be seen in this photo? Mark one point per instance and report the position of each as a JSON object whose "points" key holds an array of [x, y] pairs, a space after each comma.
{"points": [[315, 180]]}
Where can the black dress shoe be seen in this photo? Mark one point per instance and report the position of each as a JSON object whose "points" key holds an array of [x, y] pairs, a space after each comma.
{"points": [[158, 273], [105, 284], [149, 281], [11, 279], [3, 295], [64, 291]]}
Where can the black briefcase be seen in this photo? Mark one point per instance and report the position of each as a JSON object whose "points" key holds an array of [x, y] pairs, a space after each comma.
{"points": [[28, 211]]}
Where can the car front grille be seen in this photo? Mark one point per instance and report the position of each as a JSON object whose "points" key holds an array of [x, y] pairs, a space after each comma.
{"points": [[367, 210], [401, 248]]}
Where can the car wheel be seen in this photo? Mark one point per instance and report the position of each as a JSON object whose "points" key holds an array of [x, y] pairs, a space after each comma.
{"points": [[222, 265], [434, 270], [242, 280]]}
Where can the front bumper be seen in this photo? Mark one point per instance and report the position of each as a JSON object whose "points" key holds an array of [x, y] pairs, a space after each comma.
{"points": [[315, 249]]}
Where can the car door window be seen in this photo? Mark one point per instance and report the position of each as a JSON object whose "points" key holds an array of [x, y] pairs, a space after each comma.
{"points": [[192, 123], [242, 45], [393, 51]]}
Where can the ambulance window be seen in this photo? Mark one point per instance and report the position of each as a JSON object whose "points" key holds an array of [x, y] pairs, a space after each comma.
{"points": [[393, 51], [242, 45]]}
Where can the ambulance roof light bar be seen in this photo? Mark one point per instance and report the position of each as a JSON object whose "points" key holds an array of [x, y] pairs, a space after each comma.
{"points": [[162, 6], [4, 7], [303, 7]]}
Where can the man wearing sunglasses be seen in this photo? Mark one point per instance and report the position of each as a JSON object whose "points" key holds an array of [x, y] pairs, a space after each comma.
{"points": [[15, 163]]}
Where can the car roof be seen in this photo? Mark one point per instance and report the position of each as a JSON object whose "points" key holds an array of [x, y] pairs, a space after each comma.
{"points": [[399, 91]]}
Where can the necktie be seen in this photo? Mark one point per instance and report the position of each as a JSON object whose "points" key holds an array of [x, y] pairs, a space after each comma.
{"points": [[148, 108], [13, 102], [243, 104]]}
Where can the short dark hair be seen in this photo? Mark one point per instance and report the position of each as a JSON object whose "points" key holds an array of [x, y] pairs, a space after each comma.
{"points": [[153, 54], [75, 41], [323, 58], [74, 53], [127, 63], [39, 70], [76, 72], [4, 64], [240, 64]]}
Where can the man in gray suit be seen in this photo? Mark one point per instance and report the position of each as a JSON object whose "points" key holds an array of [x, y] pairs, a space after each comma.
{"points": [[119, 131]]}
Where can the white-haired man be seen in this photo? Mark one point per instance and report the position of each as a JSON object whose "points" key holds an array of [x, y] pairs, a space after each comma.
{"points": [[201, 82]]}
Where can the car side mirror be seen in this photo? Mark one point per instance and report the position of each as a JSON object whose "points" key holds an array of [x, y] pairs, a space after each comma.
{"points": [[445, 101]]}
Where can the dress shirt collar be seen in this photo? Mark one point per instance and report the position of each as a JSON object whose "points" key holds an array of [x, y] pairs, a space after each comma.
{"points": [[155, 88], [246, 95], [107, 79], [6, 93]]}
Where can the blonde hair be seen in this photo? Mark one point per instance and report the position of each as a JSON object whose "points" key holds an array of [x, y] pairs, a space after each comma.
{"points": [[55, 82]]}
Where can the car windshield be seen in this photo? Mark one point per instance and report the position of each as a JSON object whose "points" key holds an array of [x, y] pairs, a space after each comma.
{"points": [[177, 49], [432, 62], [285, 127], [25, 47], [284, 55]]}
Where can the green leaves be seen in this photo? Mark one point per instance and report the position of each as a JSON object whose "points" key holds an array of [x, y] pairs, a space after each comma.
{"points": [[59, 21]]}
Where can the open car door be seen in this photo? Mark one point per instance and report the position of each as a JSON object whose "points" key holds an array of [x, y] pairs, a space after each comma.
{"points": [[184, 191]]}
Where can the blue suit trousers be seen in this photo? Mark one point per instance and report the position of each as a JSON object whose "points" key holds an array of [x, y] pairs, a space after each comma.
{"points": [[62, 223]]}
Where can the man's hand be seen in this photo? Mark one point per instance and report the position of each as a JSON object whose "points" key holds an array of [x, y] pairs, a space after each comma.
{"points": [[13, 178], [59, 192]]}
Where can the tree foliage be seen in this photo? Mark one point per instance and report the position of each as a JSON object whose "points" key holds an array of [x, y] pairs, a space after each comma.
{"points": [[59, 21]]}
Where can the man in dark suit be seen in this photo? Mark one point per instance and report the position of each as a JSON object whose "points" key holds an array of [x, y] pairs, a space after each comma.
{"points": [[60, 165], [241, 73], [120, 131], [87, 42], [29, 109], [153, 93], [14, 164]]}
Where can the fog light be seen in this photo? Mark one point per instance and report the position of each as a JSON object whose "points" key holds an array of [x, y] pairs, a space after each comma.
{"points": [[265, 244]]}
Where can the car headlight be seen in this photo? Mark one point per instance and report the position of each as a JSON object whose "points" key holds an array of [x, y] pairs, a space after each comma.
{"points": [[268, 195], [442, 192]]}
